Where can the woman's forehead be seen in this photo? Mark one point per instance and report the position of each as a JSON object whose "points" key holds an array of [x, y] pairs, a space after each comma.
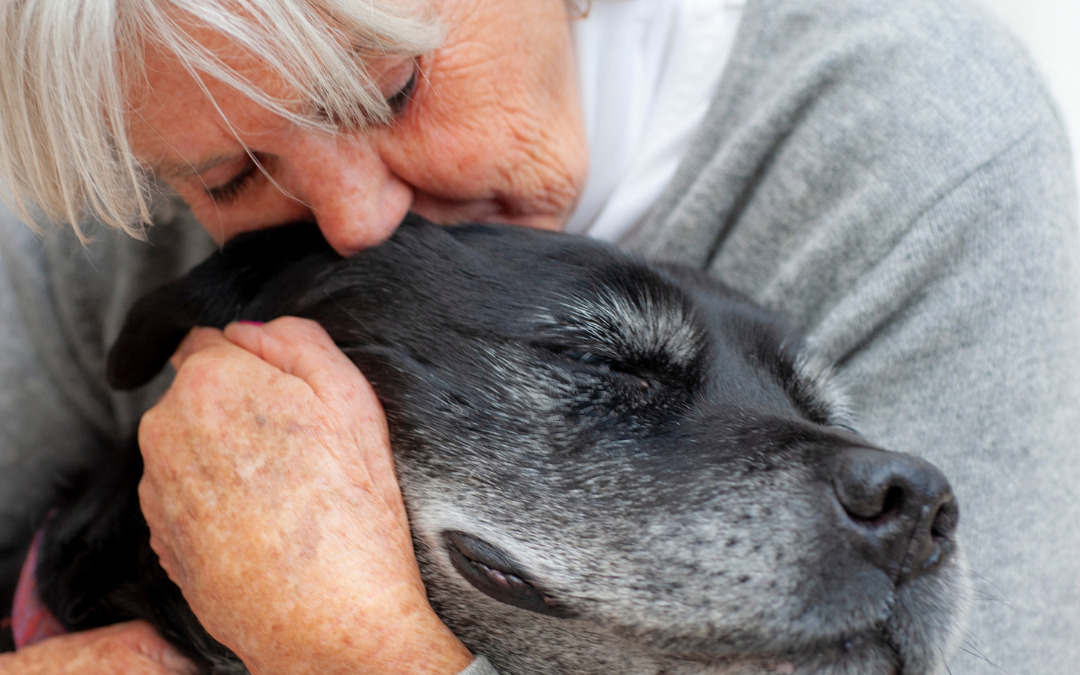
{"points": [[170, 107], [177, 116], [283, 68]]}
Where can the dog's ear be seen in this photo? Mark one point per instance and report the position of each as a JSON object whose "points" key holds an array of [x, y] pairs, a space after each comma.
{"points": [[212, 294], [152, 331]]}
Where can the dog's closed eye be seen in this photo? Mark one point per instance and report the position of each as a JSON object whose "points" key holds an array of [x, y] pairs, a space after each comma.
{"points": [[606, 366]]}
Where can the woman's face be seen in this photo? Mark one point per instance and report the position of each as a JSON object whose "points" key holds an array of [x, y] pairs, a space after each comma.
{"points": [[490, 130]]}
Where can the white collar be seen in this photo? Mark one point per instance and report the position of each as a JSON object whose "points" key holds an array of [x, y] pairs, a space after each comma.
{"points": [[647, 71]]}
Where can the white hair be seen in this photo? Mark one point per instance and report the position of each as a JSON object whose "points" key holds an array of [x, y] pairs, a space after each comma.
{"points": [[66, 70]]}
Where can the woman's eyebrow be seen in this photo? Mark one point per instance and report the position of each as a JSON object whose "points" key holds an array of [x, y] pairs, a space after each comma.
{"points": [[185, 169]]}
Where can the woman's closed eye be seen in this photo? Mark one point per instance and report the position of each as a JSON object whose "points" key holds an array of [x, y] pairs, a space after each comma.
{"points": [[399, 101], [230, 190]]}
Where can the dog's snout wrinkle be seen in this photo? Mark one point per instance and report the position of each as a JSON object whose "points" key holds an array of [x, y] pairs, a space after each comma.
{"points": [[900, 509]]}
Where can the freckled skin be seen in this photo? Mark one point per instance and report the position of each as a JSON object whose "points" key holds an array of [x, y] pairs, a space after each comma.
{"points": [[133, 647], [269, 554]]}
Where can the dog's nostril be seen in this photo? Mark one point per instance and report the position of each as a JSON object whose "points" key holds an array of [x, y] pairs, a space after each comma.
{"points": [[868, 502], [946, 519], [899, 510]]}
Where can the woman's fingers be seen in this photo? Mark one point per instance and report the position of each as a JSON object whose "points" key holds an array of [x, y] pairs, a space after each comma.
{"points": [[271, 499], [133, 647], [302, 348]]}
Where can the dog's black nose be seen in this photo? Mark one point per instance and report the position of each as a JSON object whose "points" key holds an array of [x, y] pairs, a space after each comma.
{"points": [[899, 509]]}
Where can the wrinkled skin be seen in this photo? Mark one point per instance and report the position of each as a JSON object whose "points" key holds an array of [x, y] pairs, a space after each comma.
{"points": [[492, 132], [267, 573]]}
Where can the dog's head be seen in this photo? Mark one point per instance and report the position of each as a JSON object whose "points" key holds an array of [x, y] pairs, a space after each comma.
{"points": [[609, 466]]}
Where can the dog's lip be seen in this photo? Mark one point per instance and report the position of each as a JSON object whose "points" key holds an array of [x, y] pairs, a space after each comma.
{"points": [[781, 667], [496, 574], [774, 667], [864, 652]]}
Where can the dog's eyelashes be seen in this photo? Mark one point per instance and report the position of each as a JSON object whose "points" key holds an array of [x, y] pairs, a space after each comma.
{"points": [[607, 367], [588, 358]]}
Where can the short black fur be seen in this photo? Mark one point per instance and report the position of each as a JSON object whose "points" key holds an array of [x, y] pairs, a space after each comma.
{"points": [[609, 465]]}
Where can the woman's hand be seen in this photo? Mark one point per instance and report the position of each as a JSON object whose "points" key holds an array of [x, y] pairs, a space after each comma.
{"points": [[131, 648], [272, 502]]}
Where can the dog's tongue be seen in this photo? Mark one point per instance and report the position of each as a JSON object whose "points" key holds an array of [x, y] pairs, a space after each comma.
{"points": [[31, 620]]}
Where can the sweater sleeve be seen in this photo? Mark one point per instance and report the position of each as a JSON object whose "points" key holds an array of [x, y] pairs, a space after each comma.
{"points": [[894, 179], [62, 303], [962, 344], [480, 666], [52, 415]]}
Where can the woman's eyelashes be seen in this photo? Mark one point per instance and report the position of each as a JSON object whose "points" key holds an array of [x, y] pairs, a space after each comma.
{"points": [[358, 119], [400, 100], [231, 190]]}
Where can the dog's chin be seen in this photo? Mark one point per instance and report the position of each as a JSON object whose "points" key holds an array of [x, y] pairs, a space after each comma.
{"points": [[914, 640]]}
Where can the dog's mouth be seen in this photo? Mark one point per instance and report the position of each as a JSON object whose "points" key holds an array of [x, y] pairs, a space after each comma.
{"points": [[868, 654], [495, 574]]}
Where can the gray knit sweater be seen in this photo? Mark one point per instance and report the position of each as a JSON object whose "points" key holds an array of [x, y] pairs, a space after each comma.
{"points": [[889, 176]]}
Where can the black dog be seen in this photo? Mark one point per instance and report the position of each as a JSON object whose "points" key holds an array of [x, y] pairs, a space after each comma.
{"points": [[609, 466]]}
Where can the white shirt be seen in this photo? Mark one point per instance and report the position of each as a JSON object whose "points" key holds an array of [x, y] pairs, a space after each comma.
{"points": [[647, 71]]}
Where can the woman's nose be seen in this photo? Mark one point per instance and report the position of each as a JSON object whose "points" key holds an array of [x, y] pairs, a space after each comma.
{"points": [[354, 197]]}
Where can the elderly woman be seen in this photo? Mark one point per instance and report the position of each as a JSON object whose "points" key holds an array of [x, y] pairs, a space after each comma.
{"points": [[891, 177]]}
